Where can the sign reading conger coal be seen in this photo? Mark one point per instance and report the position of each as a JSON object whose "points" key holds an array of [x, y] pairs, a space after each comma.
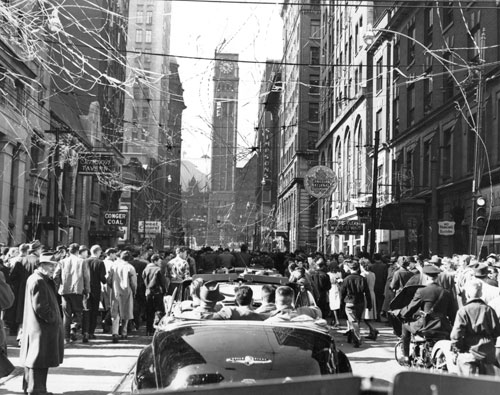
{"points": [[90, 164], [320, 181], [118, 218]]}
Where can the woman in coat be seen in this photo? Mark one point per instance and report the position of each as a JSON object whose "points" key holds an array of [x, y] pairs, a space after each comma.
{"points": [[122, 279], [42, 345]]}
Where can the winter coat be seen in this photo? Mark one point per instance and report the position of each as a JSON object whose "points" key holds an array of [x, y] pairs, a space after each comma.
{"points": [[42, 344], [22, 269], [122, 279]]}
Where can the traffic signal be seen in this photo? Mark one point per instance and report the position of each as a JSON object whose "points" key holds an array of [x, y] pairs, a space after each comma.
{"points": [[481, 215]]}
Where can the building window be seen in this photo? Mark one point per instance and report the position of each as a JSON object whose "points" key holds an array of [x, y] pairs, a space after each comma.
{"points": [[314, 56], [314, 84], [378, 120], [140, 16], [411, 104], [446, 153], [149, 17], [474, 43], [147, 55], [312, 138], [411, 43], [20, 95], [138, 36], [395, 110], [397, 51], [429, 24], [448, 82], [428, 88], [427, 163], [137, 92], [447, 13], [313, 112], [379, 75], [315, 29], [148, 36]]}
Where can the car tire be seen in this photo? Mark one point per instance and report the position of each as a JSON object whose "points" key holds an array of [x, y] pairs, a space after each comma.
{"points": [[344, 363]]}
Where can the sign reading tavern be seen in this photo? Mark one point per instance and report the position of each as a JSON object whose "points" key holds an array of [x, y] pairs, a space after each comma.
{"points": [[90, 164], [344, 227]]}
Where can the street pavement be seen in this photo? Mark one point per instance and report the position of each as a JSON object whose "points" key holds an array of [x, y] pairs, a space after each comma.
{"points": [[374, 360], [99, 367]]}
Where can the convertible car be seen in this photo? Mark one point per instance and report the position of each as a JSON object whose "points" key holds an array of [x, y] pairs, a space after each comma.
{"points": [[195, 353]]}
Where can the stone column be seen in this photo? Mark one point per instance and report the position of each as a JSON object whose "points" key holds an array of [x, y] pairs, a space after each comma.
{"points": [[19, 184], [6, 150]]}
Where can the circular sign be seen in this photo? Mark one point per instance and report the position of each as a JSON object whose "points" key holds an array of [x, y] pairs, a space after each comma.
{"points": [[320, 181]]}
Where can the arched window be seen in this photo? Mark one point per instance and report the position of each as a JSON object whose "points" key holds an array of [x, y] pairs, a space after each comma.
{"points": [[348, 168], [359, 150]]}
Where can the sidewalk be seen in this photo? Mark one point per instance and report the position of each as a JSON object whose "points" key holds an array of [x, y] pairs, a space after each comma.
{"points": [[99, 367]]}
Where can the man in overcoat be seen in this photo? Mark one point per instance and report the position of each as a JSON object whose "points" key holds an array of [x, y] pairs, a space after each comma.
{"points": [[42, 345]]}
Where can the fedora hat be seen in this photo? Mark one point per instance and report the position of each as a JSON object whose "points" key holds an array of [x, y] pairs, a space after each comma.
{"points": [[431, 270], [209, 292], [35, 245], [481, 270], [435, 260], [47, 257]]}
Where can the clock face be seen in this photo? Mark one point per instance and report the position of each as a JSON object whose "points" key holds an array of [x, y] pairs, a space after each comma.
{"points": [[226, 67]]}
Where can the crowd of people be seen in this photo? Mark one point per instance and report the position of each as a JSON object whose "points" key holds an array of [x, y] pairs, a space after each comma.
{"points": [[63, 296]]}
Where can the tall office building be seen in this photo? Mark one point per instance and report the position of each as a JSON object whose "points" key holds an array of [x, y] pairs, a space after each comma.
{"points": [[223, 159], [299, 117], [151, 157]]}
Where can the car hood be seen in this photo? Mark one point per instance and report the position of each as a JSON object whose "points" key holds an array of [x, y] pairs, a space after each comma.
{"points": [[206, 354]]}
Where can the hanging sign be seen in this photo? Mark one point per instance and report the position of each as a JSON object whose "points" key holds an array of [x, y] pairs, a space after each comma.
{"points": [[345, 227], [446, 228], [118, 218], [90, 164], [320, 181]]}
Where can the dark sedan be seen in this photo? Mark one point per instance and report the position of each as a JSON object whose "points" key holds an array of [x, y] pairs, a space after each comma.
{"points": [[195, 353]]}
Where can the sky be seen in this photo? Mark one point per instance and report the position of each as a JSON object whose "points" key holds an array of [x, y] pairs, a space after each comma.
{"points": [[199, 29]]}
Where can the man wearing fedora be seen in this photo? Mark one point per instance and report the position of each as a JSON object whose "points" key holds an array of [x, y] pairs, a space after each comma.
{"points": [[432, 297], [23, 268], [489, 292], [209, 298], [42, 345]]}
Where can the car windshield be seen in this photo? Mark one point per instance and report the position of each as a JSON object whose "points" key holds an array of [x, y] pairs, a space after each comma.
{"points": [[206, 354]]}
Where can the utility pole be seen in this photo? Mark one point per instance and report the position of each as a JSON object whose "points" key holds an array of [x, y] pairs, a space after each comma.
{"points": [[476, 176], [374, 193]]}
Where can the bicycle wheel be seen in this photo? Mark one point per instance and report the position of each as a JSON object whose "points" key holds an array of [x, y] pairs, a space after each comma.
{"points": [[399, 354], [439, 364]]}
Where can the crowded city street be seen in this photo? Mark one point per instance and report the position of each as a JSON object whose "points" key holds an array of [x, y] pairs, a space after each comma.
{"points": [[249, 197]]}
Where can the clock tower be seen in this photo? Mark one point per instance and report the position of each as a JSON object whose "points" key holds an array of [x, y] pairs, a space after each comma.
{"points": [[223, 158]]}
